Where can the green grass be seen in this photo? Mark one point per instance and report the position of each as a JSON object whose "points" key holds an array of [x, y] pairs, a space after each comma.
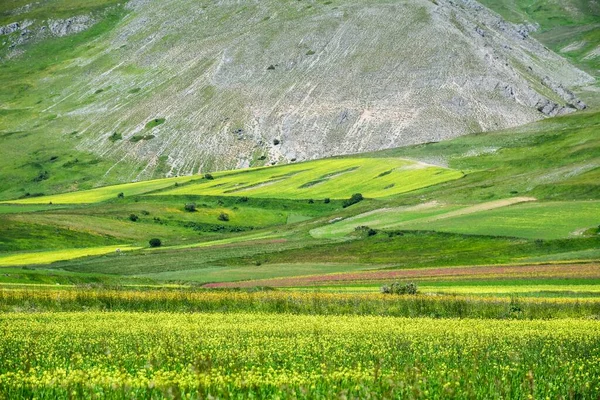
{"points": [[422, 249], [25, 208], [548, 220], [561, 23], [36, 139], [20, 235], [231, 274], [15, 277], [386, 218], [554, 159]]}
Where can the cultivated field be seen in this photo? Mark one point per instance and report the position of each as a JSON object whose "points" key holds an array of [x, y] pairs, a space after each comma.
{"points": [[253, 353], [267, 281]]}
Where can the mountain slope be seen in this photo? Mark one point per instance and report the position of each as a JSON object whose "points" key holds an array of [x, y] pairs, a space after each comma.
{"points": [[177, 87]]}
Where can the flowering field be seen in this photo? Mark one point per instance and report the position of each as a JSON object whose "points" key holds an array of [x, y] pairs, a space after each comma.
{"points": [[177, 299], [241, 355]]}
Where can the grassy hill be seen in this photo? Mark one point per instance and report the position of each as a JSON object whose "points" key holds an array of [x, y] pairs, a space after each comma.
{"points": [[567, 27], [528, 195], [98, 92]]}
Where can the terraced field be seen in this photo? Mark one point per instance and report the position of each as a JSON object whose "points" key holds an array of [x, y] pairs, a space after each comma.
{"points": [[49, 257], [103, 193], [333, 178]]}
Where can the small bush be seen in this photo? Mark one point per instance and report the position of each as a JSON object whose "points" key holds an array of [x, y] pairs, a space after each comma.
{"points": [[42, 176], [327, 200], [115, 136], [243, 199], [121, 195], [355, 198], [155, 242], [223, 217], [399, 288], [155, 122], [365, 230], [133, 218], [311, 201], [276, 141], [190, 207], [144, 212], [209, 177]]}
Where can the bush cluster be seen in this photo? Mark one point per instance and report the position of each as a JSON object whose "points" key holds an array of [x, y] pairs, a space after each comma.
{"points": [[365, 230], [400, 288], [355, 198], [223, 217]]}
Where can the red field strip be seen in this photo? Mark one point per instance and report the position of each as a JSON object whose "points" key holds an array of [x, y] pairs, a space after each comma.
{"points": [[446, 273]]}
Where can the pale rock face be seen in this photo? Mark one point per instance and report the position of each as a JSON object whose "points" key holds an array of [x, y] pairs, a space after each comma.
{"points": [[361, 75], [70, 26]]}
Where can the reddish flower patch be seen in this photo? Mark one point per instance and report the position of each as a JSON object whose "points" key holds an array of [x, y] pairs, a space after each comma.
{"points": [[432, 274]]}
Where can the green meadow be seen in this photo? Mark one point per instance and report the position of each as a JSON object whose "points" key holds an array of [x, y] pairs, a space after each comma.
{"points": [[527, 195]]}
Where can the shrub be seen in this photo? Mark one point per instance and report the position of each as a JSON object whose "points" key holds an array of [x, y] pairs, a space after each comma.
{"points": [[144, 212], [209, 177], [223, 217], [311, 201], [327, 200], [42, 176], [190, 207], [115, 136], [155, 242], [365, 230], [133, 217], [355, 198], [121, 195], [243, 199], [155, 122], [399, 288], [276, 141]]}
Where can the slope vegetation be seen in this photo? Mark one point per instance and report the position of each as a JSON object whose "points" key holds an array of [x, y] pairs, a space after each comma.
{"points": [[147, 89]]}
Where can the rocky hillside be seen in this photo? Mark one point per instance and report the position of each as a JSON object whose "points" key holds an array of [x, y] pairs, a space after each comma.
{"points": [[172, 87]]}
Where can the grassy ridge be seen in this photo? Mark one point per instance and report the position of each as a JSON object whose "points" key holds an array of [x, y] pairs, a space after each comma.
{"points": [[332, 178]]}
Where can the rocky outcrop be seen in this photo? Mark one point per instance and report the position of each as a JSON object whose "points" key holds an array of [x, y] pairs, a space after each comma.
{"points": [[25, 31], [564, 93], [69, 26]]}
